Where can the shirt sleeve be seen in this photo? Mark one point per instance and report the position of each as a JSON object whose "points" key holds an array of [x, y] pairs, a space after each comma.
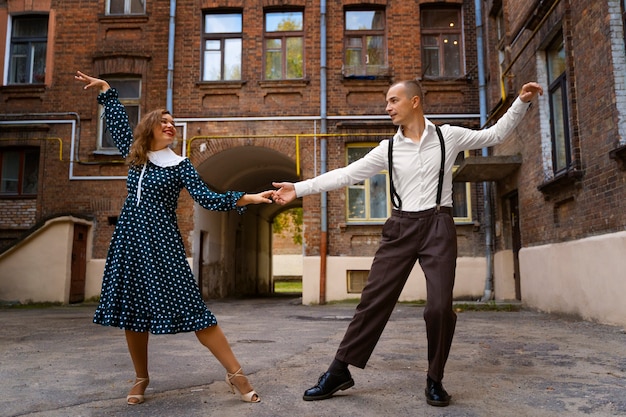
{"points": [[116, 120], [372, 163], [466, 139], [206, 197]]}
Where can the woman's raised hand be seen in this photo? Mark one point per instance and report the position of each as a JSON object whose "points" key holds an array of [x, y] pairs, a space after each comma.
{"points": [[92, 81]]}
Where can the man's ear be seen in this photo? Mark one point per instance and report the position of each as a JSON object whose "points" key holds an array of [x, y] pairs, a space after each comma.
{"points": [[415, 101]]}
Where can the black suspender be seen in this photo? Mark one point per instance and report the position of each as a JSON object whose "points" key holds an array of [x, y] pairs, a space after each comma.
{"points": [[395, 198], [442, 167]]}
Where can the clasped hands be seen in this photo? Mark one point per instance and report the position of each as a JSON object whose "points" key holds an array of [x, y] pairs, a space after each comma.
{"points": [[285, 193]]}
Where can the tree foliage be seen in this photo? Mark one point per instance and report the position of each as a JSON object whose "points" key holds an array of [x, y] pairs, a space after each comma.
{"points": [[289, 222]]}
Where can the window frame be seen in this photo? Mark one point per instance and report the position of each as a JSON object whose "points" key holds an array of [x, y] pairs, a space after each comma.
{"points": [[127, 9], [365, 185], [283, 36], [558, 97], [501, 41], [222, 37], [13, 41], [623, 12], [468, 193], [23, 150], [439, 32], [126, 102], [364, 68]]}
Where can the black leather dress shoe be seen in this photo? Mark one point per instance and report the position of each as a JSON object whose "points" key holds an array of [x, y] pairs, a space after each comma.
{"points": [[327, 385], [435, 394]]}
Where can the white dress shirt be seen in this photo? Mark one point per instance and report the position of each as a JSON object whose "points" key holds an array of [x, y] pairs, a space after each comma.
{"points": [[416, 165]]}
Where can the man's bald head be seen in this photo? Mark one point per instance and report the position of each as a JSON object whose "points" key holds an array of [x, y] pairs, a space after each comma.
{"points": [[412, 89]]}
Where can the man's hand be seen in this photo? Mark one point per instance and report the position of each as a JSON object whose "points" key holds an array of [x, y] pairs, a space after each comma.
{"points": [[286, 193], [529, 91]]}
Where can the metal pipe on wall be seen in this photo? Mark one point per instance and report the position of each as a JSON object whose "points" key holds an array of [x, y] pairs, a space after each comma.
{"points": [[482, 100], [323, 151], [170, 58]]}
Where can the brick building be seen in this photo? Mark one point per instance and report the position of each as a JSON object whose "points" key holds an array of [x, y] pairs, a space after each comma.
{"points": [[560, 211], [244, 81], [256, 100]]}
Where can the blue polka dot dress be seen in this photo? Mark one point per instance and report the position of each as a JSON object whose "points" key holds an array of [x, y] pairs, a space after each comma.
{"points": [[147, 283]]}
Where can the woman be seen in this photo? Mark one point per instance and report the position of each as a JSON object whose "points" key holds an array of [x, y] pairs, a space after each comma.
{"points": [[148, 286]]}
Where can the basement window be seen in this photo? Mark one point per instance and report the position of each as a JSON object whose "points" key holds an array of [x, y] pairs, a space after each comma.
{"points": [[357, 280]]}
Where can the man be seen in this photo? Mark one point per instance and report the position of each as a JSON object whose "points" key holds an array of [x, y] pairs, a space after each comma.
{"points": [[421, 228]]}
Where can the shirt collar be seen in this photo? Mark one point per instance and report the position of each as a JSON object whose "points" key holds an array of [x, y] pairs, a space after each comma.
{"points": [[164, 158], [429, 128]]}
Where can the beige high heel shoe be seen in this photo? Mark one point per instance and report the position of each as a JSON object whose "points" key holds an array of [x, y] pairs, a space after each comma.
{"points": [[249, 397], [138, 397]]}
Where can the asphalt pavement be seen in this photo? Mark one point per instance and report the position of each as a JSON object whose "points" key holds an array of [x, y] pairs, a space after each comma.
{"points": [[55, 363]]}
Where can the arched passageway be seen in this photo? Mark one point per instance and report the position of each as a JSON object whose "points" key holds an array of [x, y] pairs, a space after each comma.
{"points": [[232, 254]]}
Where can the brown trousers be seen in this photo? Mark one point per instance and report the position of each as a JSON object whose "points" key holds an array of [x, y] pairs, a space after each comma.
{"points": [[408, 236]]}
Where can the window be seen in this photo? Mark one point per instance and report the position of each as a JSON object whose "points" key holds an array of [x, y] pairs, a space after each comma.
{"points": [[29, 40], [129, 92], [557, 95], [19, 172], [501, 38], [364, 43], [222, 46], [461, 209], [121, 7], [368, 201], [284, 45], [356, 280], [623, 6], [442, 43]]}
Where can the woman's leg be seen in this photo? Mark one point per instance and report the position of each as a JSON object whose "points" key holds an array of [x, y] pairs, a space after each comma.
{"points": [[215, 340], [138, 348]]}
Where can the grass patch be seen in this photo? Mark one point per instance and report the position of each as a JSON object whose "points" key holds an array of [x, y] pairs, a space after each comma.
{"points": [[488, 306], [288, 287], [345, 301]]}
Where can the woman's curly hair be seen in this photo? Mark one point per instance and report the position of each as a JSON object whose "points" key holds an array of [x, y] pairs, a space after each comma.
{"points": [[138, 154]]}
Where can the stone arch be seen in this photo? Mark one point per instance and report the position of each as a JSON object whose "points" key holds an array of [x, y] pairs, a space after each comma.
{"points": [[232, 253]]}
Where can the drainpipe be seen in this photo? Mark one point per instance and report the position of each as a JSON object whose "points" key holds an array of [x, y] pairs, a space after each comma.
{"points": [[482, 99], [324, 130], [170, 57]]}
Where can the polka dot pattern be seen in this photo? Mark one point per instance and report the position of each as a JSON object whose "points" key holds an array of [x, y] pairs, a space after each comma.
{"points": [[147, 283]]}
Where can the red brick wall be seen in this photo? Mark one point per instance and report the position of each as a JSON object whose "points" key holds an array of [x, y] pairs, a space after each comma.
{"points": [[85, 39], [568, 210]]}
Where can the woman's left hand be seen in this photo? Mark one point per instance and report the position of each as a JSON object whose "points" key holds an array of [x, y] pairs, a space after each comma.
{"points": [[263, 197]]}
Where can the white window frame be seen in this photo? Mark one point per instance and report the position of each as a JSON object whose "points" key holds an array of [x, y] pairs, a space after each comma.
{"points": [[9, 54], [223, 38], [365, 185], [127, 8], [127, 102]]}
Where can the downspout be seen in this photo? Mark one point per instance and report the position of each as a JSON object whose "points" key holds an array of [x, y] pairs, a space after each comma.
{"points": [[323, 130], [482, 100], [170, 57]]}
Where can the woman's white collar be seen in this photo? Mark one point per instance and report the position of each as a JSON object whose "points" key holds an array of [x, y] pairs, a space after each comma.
{"points": [[165, 158]]}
